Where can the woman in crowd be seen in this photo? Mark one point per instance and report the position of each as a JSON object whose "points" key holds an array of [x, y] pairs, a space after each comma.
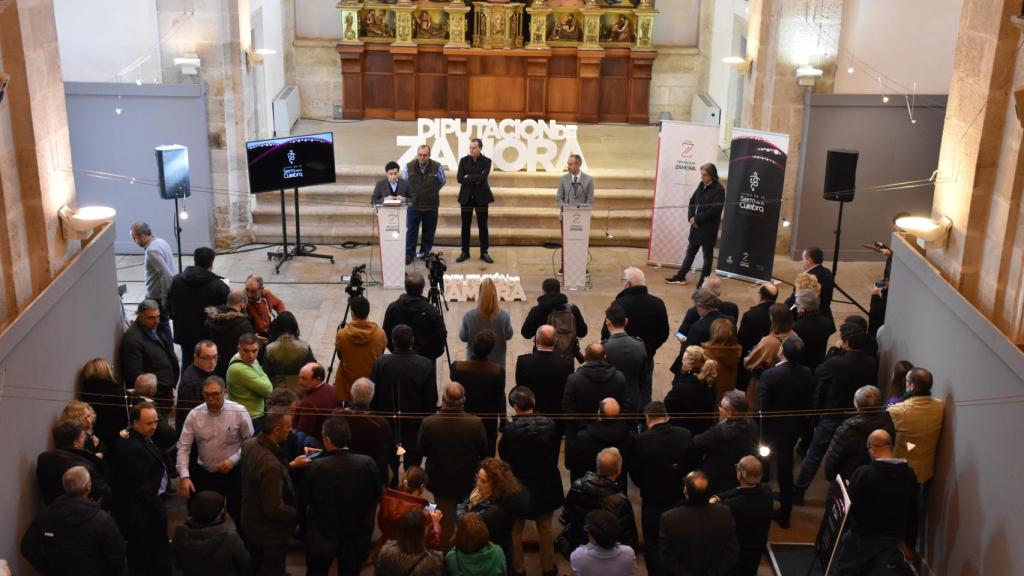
{"points": [[488, 315], [499, 499], [812, 327], [693, 391], [898, 385], [106, 396], [408, 555], [725, 349], [474, 554], [82, 413], [286, 354], [766, 353], [803, 281], [408, 496]]}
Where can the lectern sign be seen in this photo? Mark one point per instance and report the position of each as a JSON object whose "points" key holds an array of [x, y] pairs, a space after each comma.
{"points": [[512, 145]]}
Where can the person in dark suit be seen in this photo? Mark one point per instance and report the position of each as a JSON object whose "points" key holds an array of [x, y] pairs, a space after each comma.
{"points": [[144, 349], [414, 310], [813, 328], [649, 320], [625, 352], [605, 432], [484, 382], [705, 215], [545, 372], [787, 386], [475, 194], [660, 458], [697, 537], [141, 480], [405, 383], [751, 507], [550, 301], [712, 284], [812, 258], [391, 187], [68, 451], [371, 434], [726, 442], [192, 291], [343, 489], [600, 490], [756, 323], [592, 382], [848, 450], [838, 379]]}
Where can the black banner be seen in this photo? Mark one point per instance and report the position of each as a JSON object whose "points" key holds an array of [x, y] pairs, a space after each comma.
{"points": [[753, 202]]}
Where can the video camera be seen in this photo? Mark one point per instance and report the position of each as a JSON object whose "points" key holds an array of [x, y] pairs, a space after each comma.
{"points": [[355, 281], [436, 266]]}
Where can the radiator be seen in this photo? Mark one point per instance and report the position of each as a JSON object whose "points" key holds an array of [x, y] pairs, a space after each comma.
{"points": [[286, 110]]}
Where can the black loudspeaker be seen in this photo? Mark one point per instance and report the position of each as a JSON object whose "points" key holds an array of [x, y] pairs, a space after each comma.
{"points": [[172, 164], [840, 175]]}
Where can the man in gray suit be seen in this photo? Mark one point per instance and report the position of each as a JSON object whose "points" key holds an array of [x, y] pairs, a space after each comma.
{"points": [[627, 353], [392, 186], [575, 187]]}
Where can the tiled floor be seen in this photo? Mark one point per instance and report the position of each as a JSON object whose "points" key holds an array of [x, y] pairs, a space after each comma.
{"points": [[313, 291]]}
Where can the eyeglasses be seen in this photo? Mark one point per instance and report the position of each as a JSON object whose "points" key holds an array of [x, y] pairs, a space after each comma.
{"points": [[210, 357]]}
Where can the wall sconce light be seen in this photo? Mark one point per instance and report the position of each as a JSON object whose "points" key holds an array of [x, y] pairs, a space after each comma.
{"points": [[929, 232], [79, 224], [738, 63], [4, 79], [806, 75], [189, 64], [253, 57]]}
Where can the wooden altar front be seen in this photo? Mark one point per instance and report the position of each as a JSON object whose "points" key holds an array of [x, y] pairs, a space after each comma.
{"points": [[578, 64]]}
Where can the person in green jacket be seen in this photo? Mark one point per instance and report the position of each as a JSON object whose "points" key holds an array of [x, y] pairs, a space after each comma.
{"points": [[474, 554], [248, 384]]}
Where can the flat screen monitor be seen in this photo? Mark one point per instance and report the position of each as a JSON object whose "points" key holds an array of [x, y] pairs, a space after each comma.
{"points": [[291, 162]]}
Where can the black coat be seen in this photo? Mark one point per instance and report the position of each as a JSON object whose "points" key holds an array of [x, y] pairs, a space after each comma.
{"points": [[848, 450], [661, 458], [756, 324], [700, 332], [723, 445], [454, 443], [214, 550], [192, 292], [429, 332], [371, 436], [472, 175], [538, 315], [629, 355], [73, 537], [888, 494], [484, 383], [405, 383], [138, 472], [224, 325], [691, 396], [140, 354], [269, 513], [648, 318], [827, 283], [785, 387], [585, 388], [581, 453], [698, 538], [706, 205], [51, 466], [106, 398], [545, 373], [751, 508], [840, 376], [593, 492], [814, 330], [692, 316], [342, 491], [528, 444]]}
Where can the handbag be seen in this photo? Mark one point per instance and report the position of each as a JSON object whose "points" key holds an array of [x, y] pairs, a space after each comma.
{"points": [[393, 506]]}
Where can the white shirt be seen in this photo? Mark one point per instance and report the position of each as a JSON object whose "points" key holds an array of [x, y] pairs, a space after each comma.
{"points": [[219, 436]]}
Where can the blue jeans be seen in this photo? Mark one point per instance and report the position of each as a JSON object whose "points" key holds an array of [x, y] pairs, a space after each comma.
{"points": [[413, 219], [823, 433], [864, 554]]}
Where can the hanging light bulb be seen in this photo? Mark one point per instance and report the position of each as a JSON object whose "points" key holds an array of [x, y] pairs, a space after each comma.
{"points": [[764, 451], [183, 214]]}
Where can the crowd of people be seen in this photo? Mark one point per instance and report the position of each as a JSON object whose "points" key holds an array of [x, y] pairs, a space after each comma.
{"points": [[254, 430]]}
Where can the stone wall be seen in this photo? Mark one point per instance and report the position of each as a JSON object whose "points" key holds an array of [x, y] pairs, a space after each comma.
{"points": [[317, 73], [675, 81]]}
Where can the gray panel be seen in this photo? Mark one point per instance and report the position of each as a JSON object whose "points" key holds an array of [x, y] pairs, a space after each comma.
{"points": [[892, 149], [105, 142]]}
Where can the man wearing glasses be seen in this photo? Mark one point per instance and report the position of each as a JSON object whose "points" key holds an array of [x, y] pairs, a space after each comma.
{"points": [[190, 387], [217, 428]]}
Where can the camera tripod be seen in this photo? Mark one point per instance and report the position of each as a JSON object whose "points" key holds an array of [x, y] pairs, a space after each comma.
{"points": [[355, 288]]}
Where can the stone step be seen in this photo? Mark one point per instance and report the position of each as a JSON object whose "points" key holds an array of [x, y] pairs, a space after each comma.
{"points": [[603, 180]]}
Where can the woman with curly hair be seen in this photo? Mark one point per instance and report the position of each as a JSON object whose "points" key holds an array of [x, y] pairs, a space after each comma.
{"points": [[499, 499], [693, 391], [77, 411]]}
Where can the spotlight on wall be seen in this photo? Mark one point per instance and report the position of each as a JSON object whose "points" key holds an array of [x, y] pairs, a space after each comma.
{"points": [[738, 63], [929, 232], [806, 75], [786, 223], [79, 224], [189, 64]]}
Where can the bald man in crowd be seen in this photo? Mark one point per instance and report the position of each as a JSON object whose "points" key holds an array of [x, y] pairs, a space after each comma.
{"points": [[697, 537], [608, 431], [754, 325], [593, 381], [751, 506], [318, 402], [545, 372]]}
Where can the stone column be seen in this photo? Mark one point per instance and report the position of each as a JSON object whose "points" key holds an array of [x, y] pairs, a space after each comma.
{"points": [[35, 155]]}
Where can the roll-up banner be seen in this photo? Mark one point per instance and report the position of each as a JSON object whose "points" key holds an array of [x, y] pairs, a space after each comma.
{"points": [[753, 202], [682, 149]]}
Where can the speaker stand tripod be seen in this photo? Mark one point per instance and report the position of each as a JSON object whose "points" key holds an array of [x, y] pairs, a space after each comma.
{"points": [[835, 261], [299, 250]]}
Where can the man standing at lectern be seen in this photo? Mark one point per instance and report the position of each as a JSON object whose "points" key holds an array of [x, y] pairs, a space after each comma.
{"points": [[425, 178], [575, 187], [391, 187], [475, 194]]}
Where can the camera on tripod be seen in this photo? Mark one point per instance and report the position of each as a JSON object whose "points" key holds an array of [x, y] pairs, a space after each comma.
{"points": [[436, 267], [355, 281]]}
